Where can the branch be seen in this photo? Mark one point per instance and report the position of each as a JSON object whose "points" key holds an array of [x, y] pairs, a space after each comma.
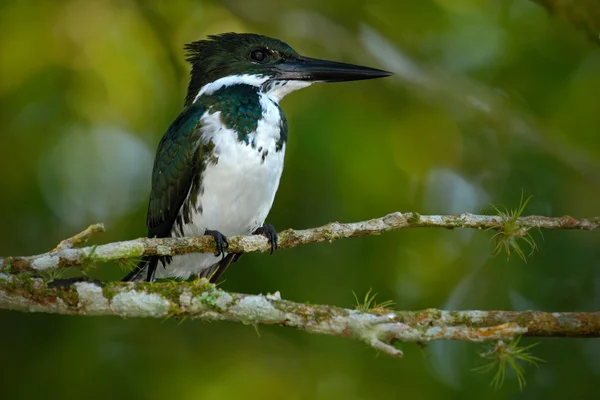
{"points": [[66, 256], [379, 328]]}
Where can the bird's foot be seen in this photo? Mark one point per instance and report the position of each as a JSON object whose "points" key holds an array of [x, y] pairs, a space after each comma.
{"points": [[220, 240], [270, 233]]}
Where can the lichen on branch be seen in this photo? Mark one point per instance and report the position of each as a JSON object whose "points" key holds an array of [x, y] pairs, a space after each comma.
{"points": [[66, 255], [199, 300]]}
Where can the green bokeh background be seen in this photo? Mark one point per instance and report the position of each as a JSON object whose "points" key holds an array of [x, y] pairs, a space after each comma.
{"points": [[492, 99]]}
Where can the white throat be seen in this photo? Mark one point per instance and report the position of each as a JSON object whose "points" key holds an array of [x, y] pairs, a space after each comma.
{"points": [[252, 80], [275, 90]]}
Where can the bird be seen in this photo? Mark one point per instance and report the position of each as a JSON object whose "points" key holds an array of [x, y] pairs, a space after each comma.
{"points": [[217, 167]]}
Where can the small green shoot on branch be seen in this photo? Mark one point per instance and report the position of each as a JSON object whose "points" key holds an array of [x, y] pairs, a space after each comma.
{"points": [[369, 304], [510, 232], [128, 264], [52, 274], [508, 355], [87, 264]]}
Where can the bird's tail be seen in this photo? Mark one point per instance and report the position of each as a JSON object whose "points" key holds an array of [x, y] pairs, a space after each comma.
{"points": [[146, 269], [214, 273]]}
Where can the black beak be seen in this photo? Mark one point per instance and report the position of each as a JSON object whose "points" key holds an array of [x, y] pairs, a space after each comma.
{"points": [[315, 70]]}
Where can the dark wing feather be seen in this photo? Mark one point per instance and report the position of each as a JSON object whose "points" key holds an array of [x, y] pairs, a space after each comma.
{"points": [[175, 174]]}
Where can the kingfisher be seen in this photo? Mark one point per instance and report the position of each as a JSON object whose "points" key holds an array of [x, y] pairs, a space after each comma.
{"points": [[217, 168]]}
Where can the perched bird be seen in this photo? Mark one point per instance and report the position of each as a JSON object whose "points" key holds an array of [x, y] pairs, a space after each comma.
{"points": [[217, 167]]}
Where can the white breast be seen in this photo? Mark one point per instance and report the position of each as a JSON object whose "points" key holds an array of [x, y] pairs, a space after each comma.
{"points": [[239, 188]]}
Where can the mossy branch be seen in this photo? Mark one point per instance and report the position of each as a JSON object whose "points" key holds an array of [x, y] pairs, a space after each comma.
{"points": [[380, 328], [65, 255]]}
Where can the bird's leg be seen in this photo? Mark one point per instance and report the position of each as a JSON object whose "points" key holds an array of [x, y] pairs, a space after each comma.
{"points": [[220, 240], [270, 233]]}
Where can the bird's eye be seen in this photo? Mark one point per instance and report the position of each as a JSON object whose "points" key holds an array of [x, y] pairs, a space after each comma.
{"points": [[258, 55]]}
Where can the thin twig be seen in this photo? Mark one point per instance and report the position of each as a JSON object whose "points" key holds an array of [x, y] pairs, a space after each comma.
{"points": [[68, 257], [81, 237]]}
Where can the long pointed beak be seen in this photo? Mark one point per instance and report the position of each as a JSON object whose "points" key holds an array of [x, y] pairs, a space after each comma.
{"points": [[315, 70]]}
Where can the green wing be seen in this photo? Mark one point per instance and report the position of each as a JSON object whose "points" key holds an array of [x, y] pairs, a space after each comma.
{"points": [[176, 173], [181, 156]]}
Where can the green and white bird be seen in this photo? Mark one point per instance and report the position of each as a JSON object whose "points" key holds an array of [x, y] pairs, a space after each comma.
{"points": [[217, 168]]}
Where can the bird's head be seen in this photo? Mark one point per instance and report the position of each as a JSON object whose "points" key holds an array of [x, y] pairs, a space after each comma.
{"points": [[245, 58]]}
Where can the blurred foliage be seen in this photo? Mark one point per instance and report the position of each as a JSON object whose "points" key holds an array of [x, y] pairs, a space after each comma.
{"points": [[88, 88], [584, 14]]}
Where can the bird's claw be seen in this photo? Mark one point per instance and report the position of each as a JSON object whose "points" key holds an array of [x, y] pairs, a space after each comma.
{"points": [[270, 233], [220, 240]]}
